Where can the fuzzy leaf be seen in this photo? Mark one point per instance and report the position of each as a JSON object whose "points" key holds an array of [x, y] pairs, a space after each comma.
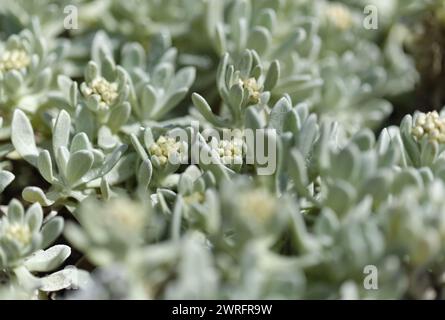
{"points": [[22, 136], [15, 211], [34, 217], [78, 165], [119, 116], [272, 76], [259, 40], [61, 133], [204, 108], [64, 279], [51, 231], [35, 194], [5, 179], [45, 166], [49, 259], [144, 173]]}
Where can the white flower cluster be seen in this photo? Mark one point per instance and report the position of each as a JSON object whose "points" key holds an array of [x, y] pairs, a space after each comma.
{"points": [[258, 204], [14, 60], [127, 214], [107, 91], [18, 232], [252, 87], [429, 125], [164, 147], [229, 151]]}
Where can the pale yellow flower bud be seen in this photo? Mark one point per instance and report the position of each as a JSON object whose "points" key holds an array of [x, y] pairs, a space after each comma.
{"points": [[164, 148], [429, 125], [107, 91], [14, 60], [19, 232]]}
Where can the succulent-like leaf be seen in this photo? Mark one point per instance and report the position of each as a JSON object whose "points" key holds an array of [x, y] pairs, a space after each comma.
{"points": [[22, 136], [45, 166], [35, 194], [51, 231], [49, 259], [61, 133], [78, 165]]}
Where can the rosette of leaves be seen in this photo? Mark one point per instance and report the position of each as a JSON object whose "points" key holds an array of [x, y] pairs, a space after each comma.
{"points": [[355, 94], [106, 243], [162, 152], [414, 229], [145, 91], [355, 240], [26, 70], [73, 167], [264, 274], [315, 155], [254, 227], [336, 24], [149, 273], [106, 125], [105, 90], [331, 69], [101, 105], [368, 173], [110, 231], [417, 235], [401, 238], [376, 191], [193, 206], [100, 108], [25, 249], [420, 140], [139, 20], [234, 26], [386, 168], [157, 88], [146, 269], [294, 24], [253, 210], [352, 92], [295, 127], [243, 86], [193, 253], [109, 283]]}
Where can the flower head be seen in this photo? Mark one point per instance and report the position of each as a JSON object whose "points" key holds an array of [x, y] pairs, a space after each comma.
{"points": [[252, 87], [15, 59], [229, 151], [107, 91], [18, 232], [339, 15], [258, 204], [126, 214], [164, 148], [429, 125]]}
